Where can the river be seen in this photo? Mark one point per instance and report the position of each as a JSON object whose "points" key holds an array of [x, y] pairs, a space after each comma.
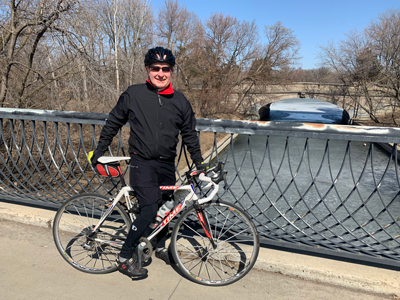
{"points": [[336, 193]]}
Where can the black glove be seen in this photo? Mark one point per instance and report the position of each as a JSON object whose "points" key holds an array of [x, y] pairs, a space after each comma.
{"points": [[202, 166], [93, 156]]}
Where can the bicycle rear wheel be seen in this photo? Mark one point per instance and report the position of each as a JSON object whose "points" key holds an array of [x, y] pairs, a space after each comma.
{"points": [[87, 251], [236, 244]]}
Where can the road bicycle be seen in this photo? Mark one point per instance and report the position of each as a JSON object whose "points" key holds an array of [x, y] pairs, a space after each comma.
{"points": [[213, 242]]}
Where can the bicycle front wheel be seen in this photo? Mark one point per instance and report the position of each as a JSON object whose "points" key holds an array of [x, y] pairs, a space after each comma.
{"points": [[85, 250], [229, 257]]}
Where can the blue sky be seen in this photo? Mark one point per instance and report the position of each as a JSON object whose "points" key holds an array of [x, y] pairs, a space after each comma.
{"points": [[313, 22]]}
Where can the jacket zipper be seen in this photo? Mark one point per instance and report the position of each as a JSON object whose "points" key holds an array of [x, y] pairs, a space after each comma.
{"points": [[158, 123], [159, 100]]}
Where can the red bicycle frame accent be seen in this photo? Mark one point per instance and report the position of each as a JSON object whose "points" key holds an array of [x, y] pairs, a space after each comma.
{"points": [[199, 213], [171, 215]]}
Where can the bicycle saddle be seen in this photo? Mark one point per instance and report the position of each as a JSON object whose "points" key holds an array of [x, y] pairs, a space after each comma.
{"points": [[111, 159]]}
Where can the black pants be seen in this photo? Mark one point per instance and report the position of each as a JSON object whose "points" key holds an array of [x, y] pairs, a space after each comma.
{"points": [[146, 176]]}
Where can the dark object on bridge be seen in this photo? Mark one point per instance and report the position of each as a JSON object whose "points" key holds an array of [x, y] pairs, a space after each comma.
{"points": [[304, 110]]}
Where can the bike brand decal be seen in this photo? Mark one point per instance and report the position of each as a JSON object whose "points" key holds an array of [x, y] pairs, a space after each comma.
{"points": [[111, 208], [217, 281], [171, 187], [134, 227], [234, 210], [172, 214], [69, 258]]}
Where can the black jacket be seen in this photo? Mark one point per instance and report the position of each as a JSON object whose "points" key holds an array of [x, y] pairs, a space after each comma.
{"points": [[155, 120]]}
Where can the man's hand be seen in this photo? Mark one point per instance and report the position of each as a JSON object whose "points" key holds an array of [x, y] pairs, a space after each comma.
{"points": [[202, 166], [93, 156]]}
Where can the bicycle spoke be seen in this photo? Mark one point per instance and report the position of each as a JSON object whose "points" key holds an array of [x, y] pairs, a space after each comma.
{"points": [[188, 236], [235, 244], [75, 218], [234, 235], [223, 226], [93, 252], [192, 254], [104, 254], [193, 230]]}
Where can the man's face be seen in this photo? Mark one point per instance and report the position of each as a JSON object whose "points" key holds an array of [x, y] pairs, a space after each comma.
{"points": [[159, 78]]}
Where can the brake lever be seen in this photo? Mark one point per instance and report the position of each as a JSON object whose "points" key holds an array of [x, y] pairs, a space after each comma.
{"points": [[225, 185], [218, 177]]}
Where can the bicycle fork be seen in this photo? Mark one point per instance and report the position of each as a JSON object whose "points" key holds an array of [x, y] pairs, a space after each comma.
{"points": [[204, 223]]}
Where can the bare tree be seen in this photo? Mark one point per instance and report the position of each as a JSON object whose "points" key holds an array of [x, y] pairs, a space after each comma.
{"points": [[128, 24], [229, 47], [114, 18], [82, 53], [137, 39], [24, 27], [274, 60], [84, 47], [384, 35], [182, 32], [368, 63]]}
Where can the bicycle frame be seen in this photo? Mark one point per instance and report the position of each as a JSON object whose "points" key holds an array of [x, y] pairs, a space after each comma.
{"points": [[212, 242], [192, 196]]}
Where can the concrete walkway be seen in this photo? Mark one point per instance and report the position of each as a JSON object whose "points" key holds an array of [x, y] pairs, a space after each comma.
{"points": [[31, 268]]}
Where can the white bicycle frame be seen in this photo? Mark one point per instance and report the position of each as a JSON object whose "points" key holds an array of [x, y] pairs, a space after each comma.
{"points": [[124, 192]]}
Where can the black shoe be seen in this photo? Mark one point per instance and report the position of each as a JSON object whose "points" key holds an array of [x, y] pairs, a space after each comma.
{"points": [[131, 268], [163, 255]]}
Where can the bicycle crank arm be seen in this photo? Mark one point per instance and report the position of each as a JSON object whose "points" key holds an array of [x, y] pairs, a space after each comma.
{"points": [[144, 250]]}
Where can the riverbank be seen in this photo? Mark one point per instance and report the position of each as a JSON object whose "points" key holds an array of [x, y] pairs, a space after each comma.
{"points": [[210, 154], [388, 148]]}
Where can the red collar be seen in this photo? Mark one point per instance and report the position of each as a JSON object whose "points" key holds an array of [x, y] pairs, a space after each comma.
{"points": [[167, 91]]}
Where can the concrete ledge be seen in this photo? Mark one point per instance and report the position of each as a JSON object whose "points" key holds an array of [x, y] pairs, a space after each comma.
{"points": [[26, 214], [344, 274], [348, 275]]}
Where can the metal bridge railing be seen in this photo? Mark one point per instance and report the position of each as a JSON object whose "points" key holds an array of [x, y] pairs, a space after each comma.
{"points": [[330, 189]]}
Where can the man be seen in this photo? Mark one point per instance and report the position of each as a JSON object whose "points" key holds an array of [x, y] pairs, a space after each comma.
{"points": [[156, 114]]}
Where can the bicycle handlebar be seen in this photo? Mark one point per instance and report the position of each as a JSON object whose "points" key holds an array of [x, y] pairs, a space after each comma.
{"points": [[219, 172], [205, 178], [215, 173]]}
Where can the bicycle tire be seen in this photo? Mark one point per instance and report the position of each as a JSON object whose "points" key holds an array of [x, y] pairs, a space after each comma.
{"points": [[236, 238], [72, 233]]}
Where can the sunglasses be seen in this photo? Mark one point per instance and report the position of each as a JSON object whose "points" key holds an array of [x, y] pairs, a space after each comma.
{"points": [[157, 69]]}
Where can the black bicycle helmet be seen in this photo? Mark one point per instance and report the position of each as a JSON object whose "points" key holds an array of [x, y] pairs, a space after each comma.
{"points": [[151, 56]]}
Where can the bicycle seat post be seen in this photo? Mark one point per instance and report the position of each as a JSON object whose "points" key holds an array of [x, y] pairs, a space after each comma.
{"points": [[121, 179]]}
